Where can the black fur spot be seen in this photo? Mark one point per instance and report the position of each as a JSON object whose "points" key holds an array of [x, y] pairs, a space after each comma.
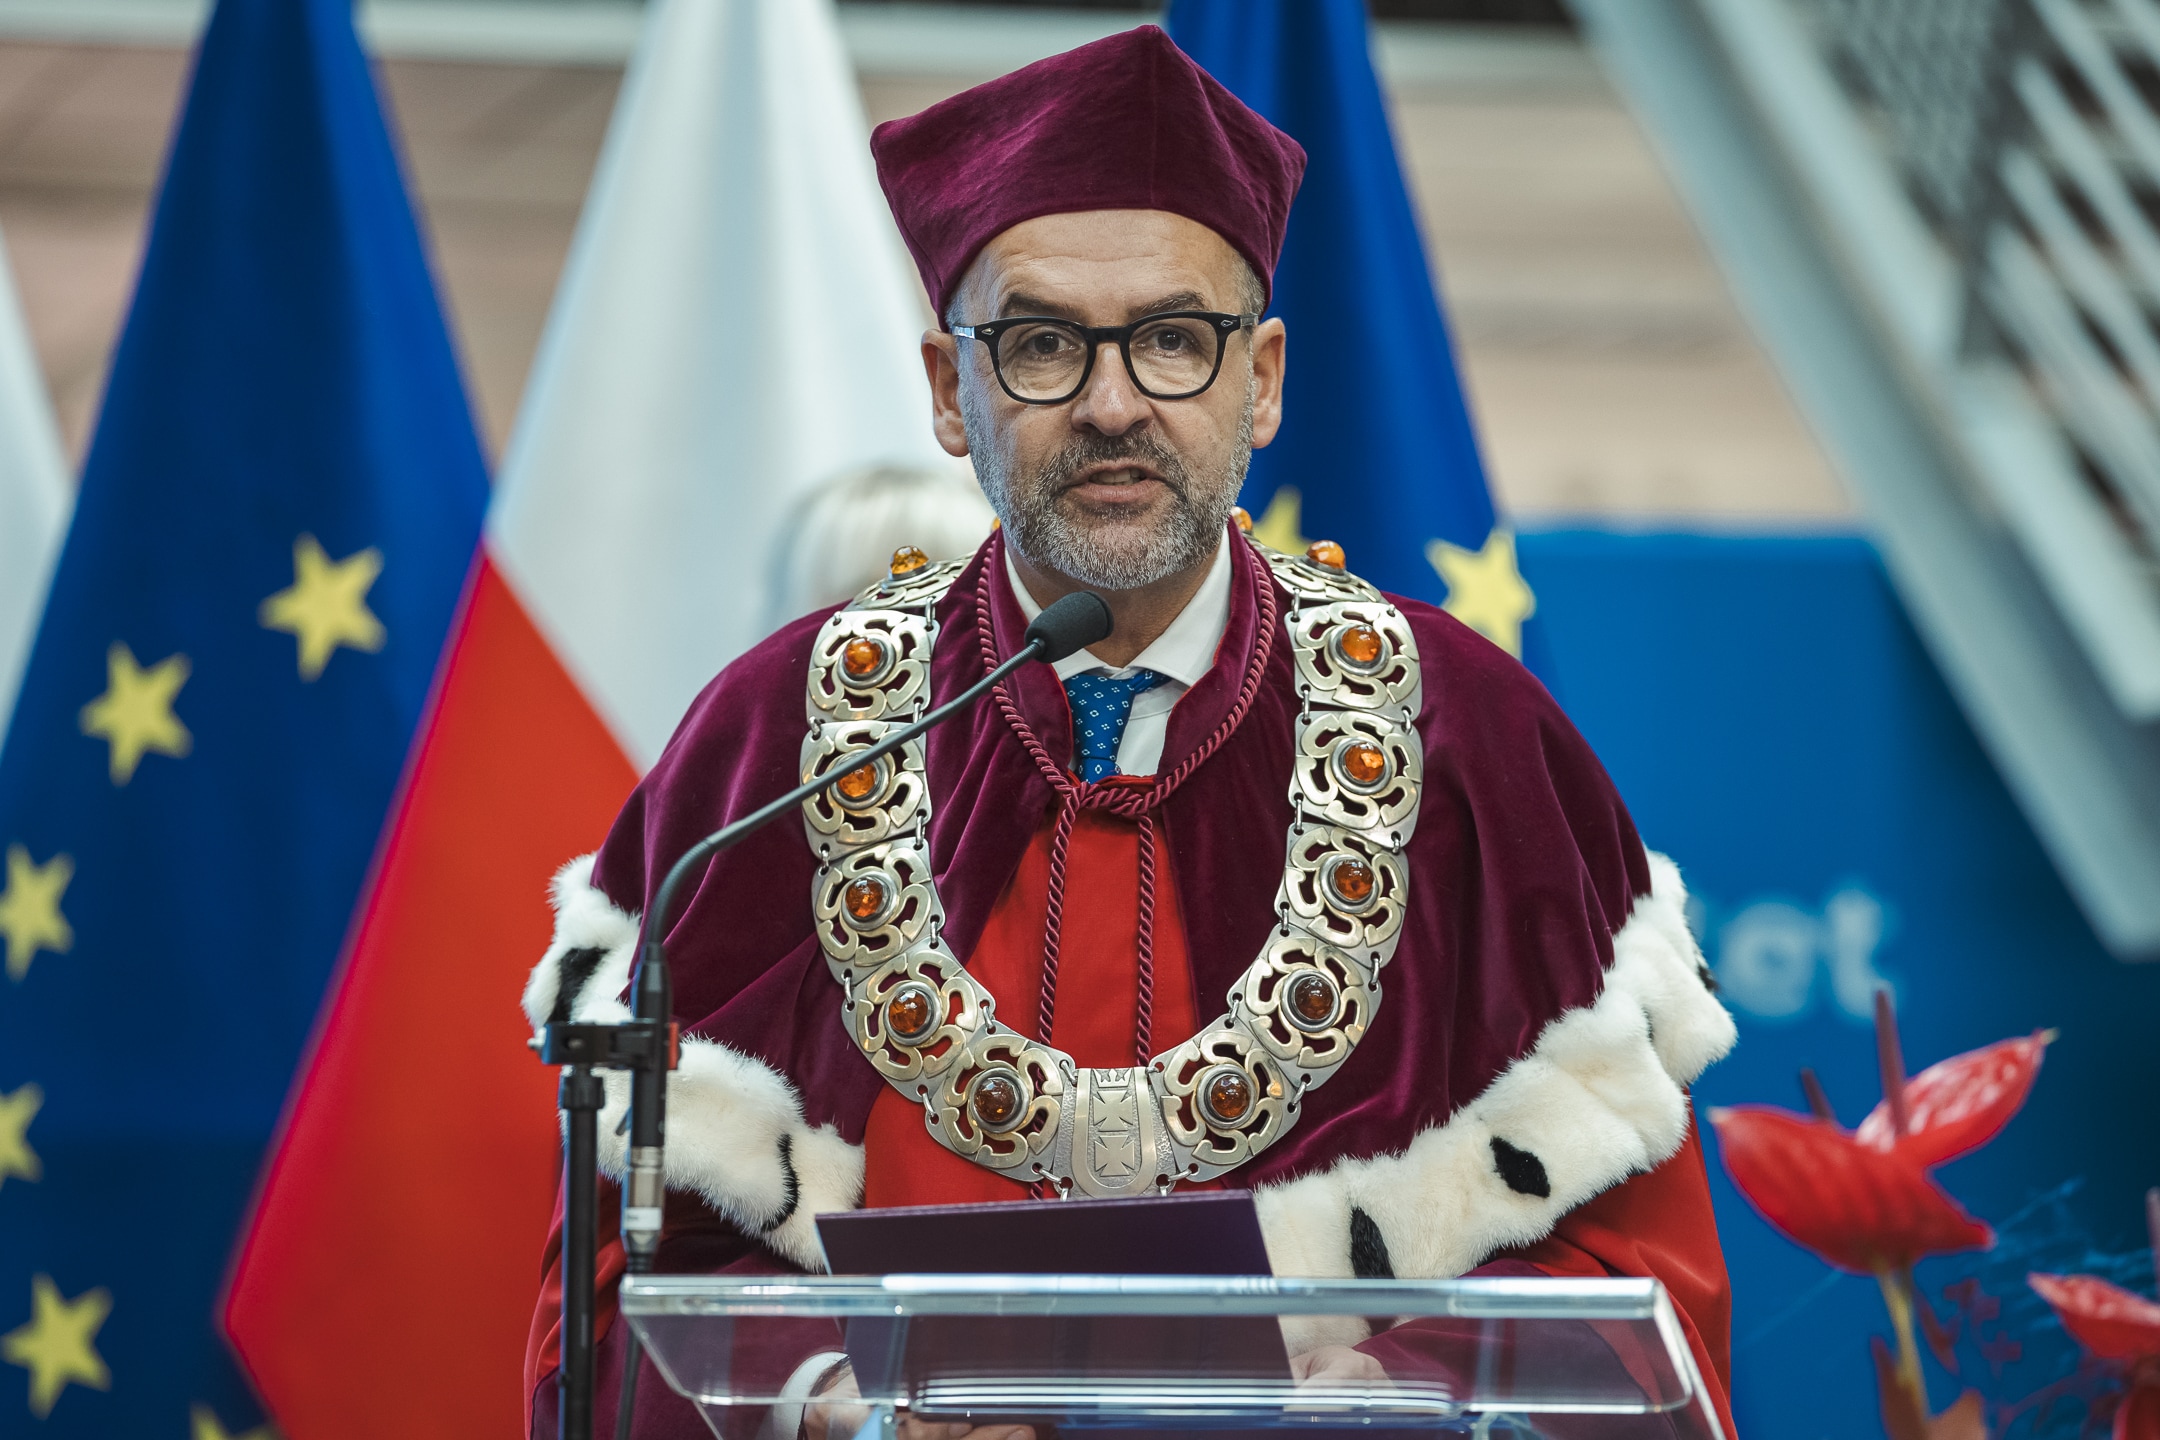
{"points": [[1709, 981], [793, 1195], [577, 968], [1368, 1248], [1523, 1171]]}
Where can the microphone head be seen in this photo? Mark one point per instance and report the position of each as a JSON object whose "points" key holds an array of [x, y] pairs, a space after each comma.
{"points": [[1073, 623]]}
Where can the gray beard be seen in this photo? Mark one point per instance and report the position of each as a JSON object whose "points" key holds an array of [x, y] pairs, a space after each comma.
{"points": [[1108, 556]]}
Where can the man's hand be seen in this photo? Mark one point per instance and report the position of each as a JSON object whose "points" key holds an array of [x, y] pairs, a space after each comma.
{"points": [[1337, 1365], [836, 1413]]}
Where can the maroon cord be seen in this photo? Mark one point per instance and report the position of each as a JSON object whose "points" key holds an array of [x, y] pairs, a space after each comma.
{"points": [[1144, 995], [1129, 801], [1054, 919]]}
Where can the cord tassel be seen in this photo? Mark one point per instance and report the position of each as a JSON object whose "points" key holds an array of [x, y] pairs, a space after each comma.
{"points": [[1054, 915], [1130, 801], [1144, 993]]}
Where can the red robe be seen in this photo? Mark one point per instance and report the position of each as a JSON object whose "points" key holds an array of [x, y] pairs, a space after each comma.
{"points": [[1533, 903]]}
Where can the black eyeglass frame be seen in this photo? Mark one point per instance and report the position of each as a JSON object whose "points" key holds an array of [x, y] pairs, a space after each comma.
{"points": [[1097, 336]]}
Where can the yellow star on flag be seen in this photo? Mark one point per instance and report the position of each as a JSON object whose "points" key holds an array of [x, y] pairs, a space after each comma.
{"points": [[1485, 590], [326, 605], [135, 714], [203, 1425], [16, 1113], [30, 915], [1277, 527], [57, 1346]]}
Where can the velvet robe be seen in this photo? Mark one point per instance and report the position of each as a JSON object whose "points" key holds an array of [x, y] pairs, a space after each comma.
{"points": [[1524, 867]]}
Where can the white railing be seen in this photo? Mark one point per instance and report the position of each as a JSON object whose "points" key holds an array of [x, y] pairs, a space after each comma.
{"points": [[1941, 216]]}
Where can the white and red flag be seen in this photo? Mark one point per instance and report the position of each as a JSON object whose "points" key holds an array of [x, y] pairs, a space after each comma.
{"points": [[735, 325], [35, 496]]}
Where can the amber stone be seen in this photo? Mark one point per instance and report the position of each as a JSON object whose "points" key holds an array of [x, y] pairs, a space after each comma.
{"points": [[1243, 517], [907, 560], [1326, 552], [1312, 998], [862, 658], [1363, 763], [1360, 645], [1227, 1095], [996, 1100], [1352, 881], [859, 783], [912, 1013], [865, 897]]}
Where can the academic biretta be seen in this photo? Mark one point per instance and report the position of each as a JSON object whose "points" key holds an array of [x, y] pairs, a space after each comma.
{"points": [[1277, 830]]}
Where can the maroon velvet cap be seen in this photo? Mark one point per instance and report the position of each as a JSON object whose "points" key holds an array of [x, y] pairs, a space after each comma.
{"points": [[1126, 123]]}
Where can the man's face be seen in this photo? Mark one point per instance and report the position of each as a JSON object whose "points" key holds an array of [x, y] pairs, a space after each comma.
{"points": [[1111, 489]]}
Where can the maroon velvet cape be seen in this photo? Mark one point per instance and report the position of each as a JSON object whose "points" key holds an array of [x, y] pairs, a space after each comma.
{"points": [[1523, 865]]}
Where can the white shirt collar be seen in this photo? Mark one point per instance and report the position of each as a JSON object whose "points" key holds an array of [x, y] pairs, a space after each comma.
{"points": [[1184, 652]]}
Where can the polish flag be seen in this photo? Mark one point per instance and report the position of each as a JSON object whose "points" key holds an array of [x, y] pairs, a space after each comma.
{"points": [[736, 324]]}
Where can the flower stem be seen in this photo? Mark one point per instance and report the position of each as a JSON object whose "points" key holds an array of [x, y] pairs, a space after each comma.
{"points": [[1897, 1289]]}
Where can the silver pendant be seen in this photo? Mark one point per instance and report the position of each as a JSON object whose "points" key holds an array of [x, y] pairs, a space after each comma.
{"points": [[1113, 1145]]}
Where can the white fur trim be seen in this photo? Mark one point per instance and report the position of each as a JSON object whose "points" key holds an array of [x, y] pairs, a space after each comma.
{"points": [[1601, 1096], [735, 1132]]}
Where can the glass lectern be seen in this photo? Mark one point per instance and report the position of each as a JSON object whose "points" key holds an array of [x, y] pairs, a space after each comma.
{"points": [[1177, 1355]]}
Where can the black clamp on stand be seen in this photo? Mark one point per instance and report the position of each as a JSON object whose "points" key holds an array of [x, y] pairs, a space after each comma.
{"points": [[642, 1047]]}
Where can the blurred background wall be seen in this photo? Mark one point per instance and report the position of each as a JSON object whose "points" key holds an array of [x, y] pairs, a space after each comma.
{"points": [[1610, 371]]}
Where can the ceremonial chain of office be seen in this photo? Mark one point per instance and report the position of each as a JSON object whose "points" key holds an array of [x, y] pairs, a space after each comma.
{"points": [[1022, 1107]]}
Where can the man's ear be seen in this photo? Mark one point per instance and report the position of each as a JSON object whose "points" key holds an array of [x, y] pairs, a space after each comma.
{"points": [[941, 363], [1269, 342]]}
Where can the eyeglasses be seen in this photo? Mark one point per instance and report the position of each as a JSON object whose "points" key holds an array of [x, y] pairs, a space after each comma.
{"points": [[1040, 360]]}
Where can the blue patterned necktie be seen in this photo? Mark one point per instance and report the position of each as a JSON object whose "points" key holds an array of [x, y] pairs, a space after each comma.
{"points": [[1101, 705]]}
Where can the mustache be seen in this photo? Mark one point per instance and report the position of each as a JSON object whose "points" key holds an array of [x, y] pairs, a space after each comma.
{"points": [[1062, 471]]}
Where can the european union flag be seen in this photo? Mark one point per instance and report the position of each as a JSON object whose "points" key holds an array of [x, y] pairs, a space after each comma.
{"points": [[1376, 449], [276, 521]]}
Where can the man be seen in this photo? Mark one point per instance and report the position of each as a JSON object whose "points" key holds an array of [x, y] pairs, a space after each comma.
{"points": [[1070, 910]]}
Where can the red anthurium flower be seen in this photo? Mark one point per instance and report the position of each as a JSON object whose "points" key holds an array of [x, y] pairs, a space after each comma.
{"points": [[1861, 1208], [2113, 1323], [1957, 1105], [1865, 1202], [2116, 1324]]}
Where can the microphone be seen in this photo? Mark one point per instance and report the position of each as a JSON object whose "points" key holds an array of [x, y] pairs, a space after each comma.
{"points": [[646, 1046], [1073, 623]]}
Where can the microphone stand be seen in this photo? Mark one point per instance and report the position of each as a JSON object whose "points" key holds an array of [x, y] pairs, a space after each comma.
{"points": [[648, 1045]]}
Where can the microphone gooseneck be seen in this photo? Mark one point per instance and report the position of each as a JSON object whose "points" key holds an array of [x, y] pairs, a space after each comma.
{"points": [[1071, 624], [646, 1045]]}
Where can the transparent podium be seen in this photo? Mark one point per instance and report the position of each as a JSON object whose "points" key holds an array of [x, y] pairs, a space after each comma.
{"points": [[1132, 1356]]}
